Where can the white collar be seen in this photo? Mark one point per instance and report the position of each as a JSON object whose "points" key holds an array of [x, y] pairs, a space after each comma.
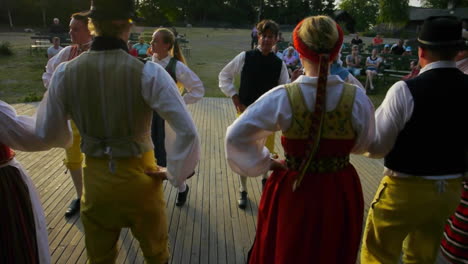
{"points": [[438, 64], [332, 79], [166, 59]]}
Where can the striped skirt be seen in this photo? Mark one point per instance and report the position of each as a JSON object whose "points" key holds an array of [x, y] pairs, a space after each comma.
{"points": [[17, 227], [455, 241]]}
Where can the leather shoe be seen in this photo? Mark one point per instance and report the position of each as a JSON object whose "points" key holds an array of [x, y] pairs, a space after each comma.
{"points": [[182, 197], [243, 200], [73, 208]]}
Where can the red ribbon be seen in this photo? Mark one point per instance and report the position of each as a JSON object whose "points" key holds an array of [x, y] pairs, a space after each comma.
{"points": [[310, 54]]}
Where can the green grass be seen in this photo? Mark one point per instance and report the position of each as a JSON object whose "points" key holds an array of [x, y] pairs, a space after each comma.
{"points": [[21, 75], [211, 50]]}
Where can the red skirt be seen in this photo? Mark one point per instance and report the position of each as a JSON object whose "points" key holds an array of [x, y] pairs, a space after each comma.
{"points": [[321, 222]]}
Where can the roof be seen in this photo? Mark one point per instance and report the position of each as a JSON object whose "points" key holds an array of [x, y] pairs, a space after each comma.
{"points": [[420, 13]]}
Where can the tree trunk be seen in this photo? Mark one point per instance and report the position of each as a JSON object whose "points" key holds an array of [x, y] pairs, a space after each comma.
{"points": [[10, 19], [44, 17]]}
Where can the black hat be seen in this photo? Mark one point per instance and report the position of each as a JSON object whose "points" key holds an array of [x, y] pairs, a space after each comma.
{"points": [[441, 32], [112, 10]]}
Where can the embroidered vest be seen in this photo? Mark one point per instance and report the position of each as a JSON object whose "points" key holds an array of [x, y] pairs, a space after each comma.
{"points": [[337, 126], [103, 97]]}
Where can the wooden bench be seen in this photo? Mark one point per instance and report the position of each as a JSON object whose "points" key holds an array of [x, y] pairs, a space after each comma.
{"points": [[387, 73]]}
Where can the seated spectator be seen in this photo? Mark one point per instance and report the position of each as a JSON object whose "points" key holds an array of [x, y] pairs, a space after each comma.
{"points": [[141, 47], [353, 61], [398, 48], [56, 28], [291, 60], [407, 52], [372, 65], [377, 40], [386, 49], [338, 69], [55, 48], [356, 40], [131, 50], [415, 68]]}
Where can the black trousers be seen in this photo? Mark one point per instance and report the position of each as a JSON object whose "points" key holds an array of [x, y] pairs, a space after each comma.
{"points": [[158, 136]]}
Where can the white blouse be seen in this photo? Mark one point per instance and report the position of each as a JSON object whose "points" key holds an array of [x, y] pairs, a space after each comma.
{"points": [[17, 132], [245, 139], [192, 84]]}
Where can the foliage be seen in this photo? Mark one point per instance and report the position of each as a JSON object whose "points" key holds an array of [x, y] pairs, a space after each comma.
{"points": [[363, 11], [392, 11], [32, 97], [5, 49]]}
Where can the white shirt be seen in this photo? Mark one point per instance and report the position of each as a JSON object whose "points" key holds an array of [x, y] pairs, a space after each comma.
{"points": [[245, 138], [392, 116], [192, 84], [182, 141], [463, 65], [52, 64], [233, 68], [18, 131], [52, 51]]}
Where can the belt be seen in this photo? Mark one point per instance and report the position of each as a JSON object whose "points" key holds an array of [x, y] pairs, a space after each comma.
{"points": [[322, 165]]}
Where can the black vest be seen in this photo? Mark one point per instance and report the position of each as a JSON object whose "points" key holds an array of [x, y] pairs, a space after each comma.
{"points": [[171, 68], [435, 139], [259, 75]]}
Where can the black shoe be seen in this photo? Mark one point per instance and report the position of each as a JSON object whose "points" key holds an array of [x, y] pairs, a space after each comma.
{"points": [[263, 183], [243, 200], [73, 208], [182, 197]]}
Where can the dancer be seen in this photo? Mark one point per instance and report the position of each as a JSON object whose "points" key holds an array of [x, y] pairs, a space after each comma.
{"points": [[311, 209], [167, 53], [81, 39], [110, 95], [260, 70], [420, 131], [23, 229]]}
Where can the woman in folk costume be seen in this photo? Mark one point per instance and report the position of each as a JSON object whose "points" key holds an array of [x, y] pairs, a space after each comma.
{"points": [[311, 209], [23, 230], [167, 53], [454, 244], [81, 39], [111, 96]]}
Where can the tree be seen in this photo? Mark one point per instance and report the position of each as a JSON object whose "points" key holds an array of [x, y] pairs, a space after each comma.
{"points": [[393, 12], [364, 12]]}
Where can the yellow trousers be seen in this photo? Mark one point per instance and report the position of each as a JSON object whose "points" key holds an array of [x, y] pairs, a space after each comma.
{"points": [[125, 198], [408, 214], [73, 156]]}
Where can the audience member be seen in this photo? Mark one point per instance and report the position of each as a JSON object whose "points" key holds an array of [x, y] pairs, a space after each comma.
{"points": [[415, 68], [356, 40], [291, 60], [377, 40], [386, 49], [55, 48], [398, 48], [353, 61], [254, 36], [56, 28], [372, 65], [132, 51], [141, 47]]}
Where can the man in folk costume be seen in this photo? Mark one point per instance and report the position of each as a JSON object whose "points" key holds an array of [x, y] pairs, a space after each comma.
{"points": [[420, 130], [260, 70], [110, 95], [81, 38], [23, 230]]}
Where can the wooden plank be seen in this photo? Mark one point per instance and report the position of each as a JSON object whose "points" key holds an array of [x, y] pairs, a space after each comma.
{"points": [[210, 228]]}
